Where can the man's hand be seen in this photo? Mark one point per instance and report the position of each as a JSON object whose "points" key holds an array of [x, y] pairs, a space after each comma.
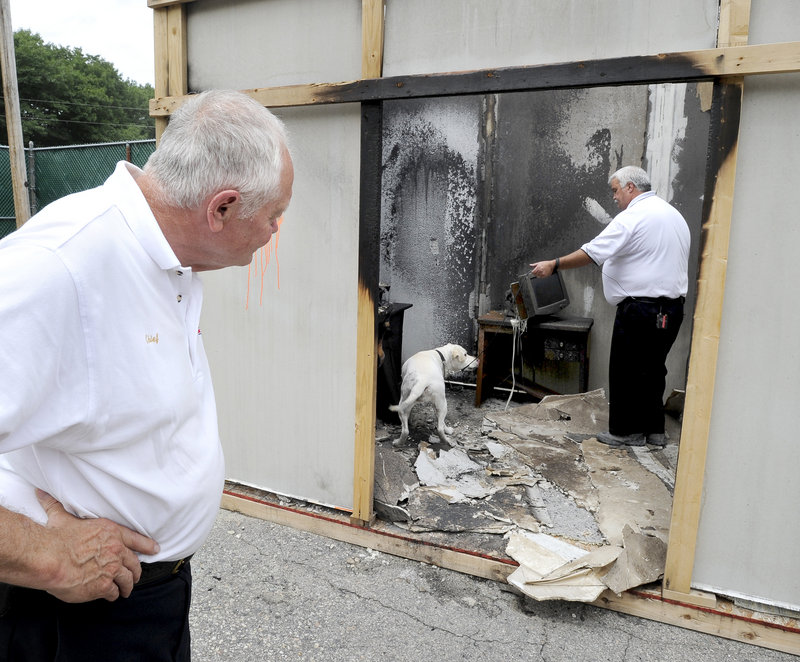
{"points": [[95, 558], [543, 269]]}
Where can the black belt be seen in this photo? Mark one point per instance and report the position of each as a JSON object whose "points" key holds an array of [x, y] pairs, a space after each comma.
{"points": [[153, 572], [653, 299]]}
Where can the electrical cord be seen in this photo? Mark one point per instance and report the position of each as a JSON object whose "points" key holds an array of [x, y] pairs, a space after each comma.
{"points": [[518, 327]]}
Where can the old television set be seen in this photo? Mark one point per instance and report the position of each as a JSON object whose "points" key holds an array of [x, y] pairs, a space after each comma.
{"points": [[536, 297]]}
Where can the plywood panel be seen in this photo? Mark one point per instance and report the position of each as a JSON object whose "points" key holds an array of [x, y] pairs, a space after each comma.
{"points": [[284, 364]]}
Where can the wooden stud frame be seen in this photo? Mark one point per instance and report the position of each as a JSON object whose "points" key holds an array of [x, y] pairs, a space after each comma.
{"points": [[725, 65]]}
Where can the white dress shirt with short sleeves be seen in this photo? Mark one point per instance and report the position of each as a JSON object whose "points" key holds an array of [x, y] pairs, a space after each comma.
{"points": [[644, 251], [105, 396]]}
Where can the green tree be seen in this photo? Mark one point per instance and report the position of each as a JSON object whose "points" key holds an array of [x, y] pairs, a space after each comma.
{"points": [[70, 98]]}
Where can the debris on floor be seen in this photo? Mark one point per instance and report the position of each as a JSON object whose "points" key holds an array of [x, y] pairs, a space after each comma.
{"points": [[578, 516]]}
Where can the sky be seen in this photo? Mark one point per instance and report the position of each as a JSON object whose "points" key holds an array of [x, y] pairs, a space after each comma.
{"points": [[119, 31]]}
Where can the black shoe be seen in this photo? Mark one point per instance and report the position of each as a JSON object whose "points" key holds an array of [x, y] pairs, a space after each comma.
{"points": [[635, 439], [657, 439]]}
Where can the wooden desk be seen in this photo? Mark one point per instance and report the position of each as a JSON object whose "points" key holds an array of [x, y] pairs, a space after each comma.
{"points": [[554, 355]]}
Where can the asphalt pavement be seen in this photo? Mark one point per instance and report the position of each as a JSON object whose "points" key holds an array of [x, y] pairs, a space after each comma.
{"points": [[266, 592]]}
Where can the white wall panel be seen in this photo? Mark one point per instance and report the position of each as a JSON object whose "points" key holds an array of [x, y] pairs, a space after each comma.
{"points": [[425, 36], [245, 44], [748, 538], [284, 367]]}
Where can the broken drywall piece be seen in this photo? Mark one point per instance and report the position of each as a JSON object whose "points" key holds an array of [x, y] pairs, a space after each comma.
{"points": [[641, 562], [596, 559], [498, 451], [541, 552], [559, 461], [538, 506], [551, 569], [512, 504], [648, 460], [556, 570], [394, 479], [582, 413], [430, 511], [626, 492], [453, 473], [448, 465]]}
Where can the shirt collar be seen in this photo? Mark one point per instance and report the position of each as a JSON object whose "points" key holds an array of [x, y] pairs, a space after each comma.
{"points": [[641, 196], [133, 206]]}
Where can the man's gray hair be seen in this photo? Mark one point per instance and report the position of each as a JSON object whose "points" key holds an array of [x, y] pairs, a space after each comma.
{"points": [[220, 140], [632, 175]]}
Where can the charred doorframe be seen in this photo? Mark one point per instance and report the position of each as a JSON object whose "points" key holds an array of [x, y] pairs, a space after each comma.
{"points": [[714, 64]]}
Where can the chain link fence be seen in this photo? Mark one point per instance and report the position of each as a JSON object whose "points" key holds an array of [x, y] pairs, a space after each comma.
{"points": [[54, 172]]}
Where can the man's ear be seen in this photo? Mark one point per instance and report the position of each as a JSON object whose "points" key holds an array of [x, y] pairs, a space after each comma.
{"points": [[221, 208]]}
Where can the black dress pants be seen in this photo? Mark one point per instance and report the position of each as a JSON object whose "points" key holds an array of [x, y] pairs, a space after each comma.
{"points": [[644, 331], [152, 625]]}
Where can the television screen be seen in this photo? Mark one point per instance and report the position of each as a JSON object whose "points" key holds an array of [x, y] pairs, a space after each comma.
{"points": [[543, 296]]}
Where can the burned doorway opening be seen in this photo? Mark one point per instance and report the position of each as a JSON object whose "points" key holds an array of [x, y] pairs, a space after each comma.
{"points": [[474, 188]]}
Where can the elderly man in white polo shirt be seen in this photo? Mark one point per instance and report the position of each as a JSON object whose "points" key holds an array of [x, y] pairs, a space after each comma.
{"points": [[644, 254], [111, 468]]}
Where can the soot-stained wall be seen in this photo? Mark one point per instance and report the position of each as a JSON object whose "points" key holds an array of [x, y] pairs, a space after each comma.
{"points": [[430, 192], [475, 188]]}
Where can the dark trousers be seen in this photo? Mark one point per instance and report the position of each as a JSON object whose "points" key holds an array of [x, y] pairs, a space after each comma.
{"points": [[152, 625], [637, 367]]}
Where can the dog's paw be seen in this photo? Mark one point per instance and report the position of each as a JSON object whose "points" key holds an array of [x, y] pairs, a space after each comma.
{"points": [[448, 430]]}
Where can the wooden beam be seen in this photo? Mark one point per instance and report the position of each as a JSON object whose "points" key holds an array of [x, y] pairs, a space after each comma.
{"points": [[369, 242], [160, 4], [171, 62], [366, 333], [372, 22], [726, 620], [633, 70], [734, 23], [16, 146]]}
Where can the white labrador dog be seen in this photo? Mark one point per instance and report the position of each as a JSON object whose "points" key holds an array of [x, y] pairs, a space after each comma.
{"points": [[423, 381]]}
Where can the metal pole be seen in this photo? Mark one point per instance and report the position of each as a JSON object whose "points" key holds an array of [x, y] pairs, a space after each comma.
{"points": [[32, 178], [16, 149]]}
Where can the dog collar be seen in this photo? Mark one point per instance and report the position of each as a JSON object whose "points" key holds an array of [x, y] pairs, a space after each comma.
{"points": [[441, 356]]}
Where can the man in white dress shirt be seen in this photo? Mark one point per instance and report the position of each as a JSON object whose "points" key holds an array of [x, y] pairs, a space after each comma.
{"points": [[111, 468], [644, 254]]}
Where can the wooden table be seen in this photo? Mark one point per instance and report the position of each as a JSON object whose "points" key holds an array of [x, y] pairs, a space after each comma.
{"points": [[552, 356]]}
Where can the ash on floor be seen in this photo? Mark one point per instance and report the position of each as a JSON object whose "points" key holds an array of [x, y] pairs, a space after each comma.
{"points": [[534, 467]]}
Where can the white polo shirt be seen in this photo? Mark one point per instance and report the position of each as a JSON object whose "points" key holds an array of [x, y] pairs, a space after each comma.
{"points": [[105, 394], [644, 251]]}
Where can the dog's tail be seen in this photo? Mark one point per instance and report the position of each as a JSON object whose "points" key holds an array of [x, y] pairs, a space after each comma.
{"points": [[394, 407]]}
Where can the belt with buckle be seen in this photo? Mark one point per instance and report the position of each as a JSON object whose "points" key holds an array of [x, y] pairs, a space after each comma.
{"points": [[153, 572]]}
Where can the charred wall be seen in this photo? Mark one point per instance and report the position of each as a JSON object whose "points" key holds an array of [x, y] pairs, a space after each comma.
{"points": [[475, 188]]}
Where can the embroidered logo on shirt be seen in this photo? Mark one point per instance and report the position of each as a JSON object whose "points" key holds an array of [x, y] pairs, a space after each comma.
{"points": [[148, 338]]}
